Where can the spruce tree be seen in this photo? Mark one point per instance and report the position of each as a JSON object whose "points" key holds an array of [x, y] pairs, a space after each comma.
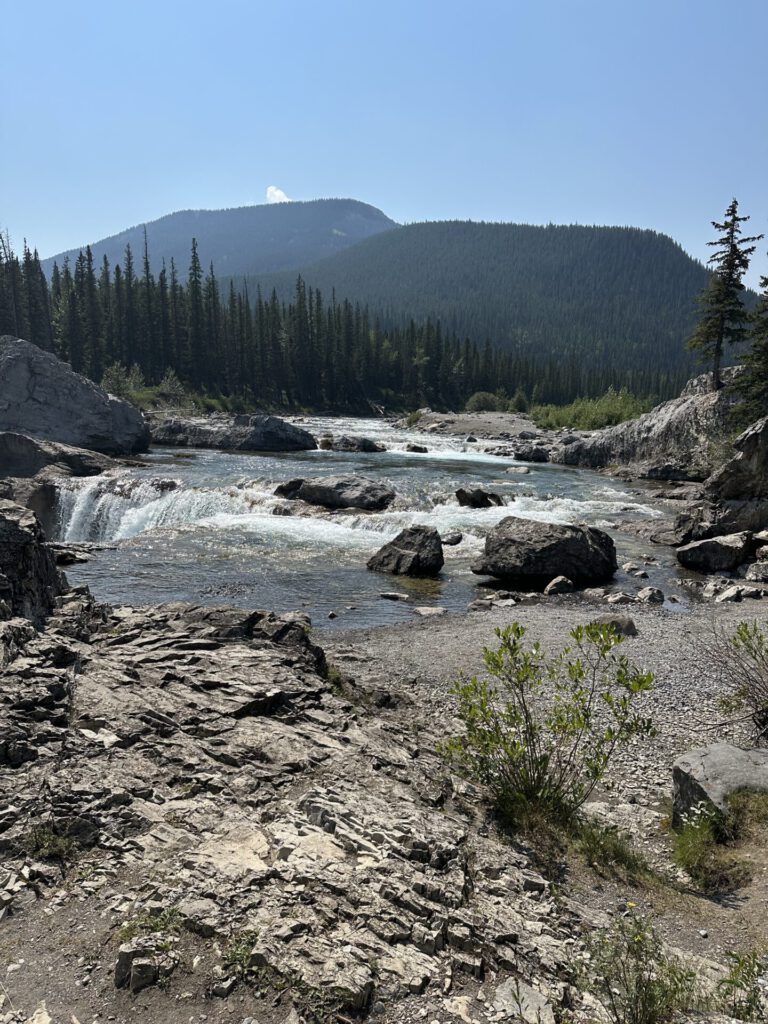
{"points": [[754, 383], [723, 314]]}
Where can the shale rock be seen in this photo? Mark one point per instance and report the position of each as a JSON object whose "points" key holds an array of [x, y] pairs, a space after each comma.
{"points": [[710, 775], [43, 397], [346, 492], [524, 550], [717, 554], [29, 579], [240, 433], [415, 551], [478, 498]]}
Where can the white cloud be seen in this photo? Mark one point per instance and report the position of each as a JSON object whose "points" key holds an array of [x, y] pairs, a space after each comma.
{"points": [[276, 195]]}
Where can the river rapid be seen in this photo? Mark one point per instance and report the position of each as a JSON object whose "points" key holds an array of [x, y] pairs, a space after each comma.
{"points": [[201, 526]]}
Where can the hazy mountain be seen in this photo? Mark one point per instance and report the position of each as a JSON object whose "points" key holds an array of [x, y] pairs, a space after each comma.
{"points": [[597, 293], [247, 239]]}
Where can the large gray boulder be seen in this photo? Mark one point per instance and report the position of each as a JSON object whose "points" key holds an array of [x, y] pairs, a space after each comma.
{"points": [[478, 498], [710, 775], [525, 550], [346, 492], [740, 487], [349, 443], [43, 397], [29, 579], [716, 554], [240, 433], [674, 441], [415, 551]]}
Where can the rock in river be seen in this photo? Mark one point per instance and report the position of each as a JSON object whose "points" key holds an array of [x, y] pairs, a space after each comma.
{"points": [[718, 554], [524, 550], [342, 492], [43, 397], [241, 433], [478, 498], [415, 551]]}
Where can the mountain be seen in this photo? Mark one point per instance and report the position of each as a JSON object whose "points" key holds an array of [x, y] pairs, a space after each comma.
{"points": [[577, 293], [247, 239]]}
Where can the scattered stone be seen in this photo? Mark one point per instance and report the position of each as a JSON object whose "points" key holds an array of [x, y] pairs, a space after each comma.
{"points": [[394, 595], [559, 585], [345, 443], [418, 448], [730, 595], [478, 498], [621, 623], [716, 554], [452, 539], [651, 595], [618, 598], [430, 611]]}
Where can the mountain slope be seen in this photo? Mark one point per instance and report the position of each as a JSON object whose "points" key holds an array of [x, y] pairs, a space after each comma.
{"points": [[247, 239], [576, 292]]}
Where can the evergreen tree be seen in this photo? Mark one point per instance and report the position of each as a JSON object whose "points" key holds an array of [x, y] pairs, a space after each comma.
{"points": [[754, 382], [724, 317]]}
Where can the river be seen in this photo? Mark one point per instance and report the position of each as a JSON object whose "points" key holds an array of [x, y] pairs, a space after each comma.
{"points": [[200, 526]]}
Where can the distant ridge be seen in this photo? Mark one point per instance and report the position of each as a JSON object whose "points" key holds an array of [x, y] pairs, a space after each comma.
{"points": [[245, 239]]}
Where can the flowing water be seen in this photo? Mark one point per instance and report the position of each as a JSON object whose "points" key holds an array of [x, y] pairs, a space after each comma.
{"points": [[201, 525]]}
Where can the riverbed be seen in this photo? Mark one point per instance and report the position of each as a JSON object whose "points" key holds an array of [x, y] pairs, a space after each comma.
{"points": [[205, 526]]}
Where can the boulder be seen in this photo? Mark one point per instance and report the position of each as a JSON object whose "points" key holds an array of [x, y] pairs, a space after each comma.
{"points": [[289, 489], [739, 489], [715, 554], [244, 434], [452, 539], [559, 585], [623, 624], [420, 449], [345, 443], [415, 551], [710, 775], [525, 550], [671, 442], [43, 397], [29, 579], [346, 492], [531, 453], [478, 498], [758, 572], [651, 595]]}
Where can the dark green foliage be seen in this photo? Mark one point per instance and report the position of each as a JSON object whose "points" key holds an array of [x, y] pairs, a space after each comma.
{"points": [[743, 991], [723, 313], [578, 308], [248, 239], [753, 385]]}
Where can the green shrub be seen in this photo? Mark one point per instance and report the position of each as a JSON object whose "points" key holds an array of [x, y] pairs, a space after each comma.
{"points": [[636, 979], [147, 923], [610, 851], [744, 662], [744, 990], [485, 401], [591, 413], [413, 417], [698, 847], [518, 402], [541, 731]]}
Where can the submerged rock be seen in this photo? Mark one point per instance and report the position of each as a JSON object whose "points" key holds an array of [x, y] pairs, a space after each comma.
{"points": [[521, 549], [478, 498], [346, 443], [346, 492], [240, 433], [415, 551], [43, 397]]}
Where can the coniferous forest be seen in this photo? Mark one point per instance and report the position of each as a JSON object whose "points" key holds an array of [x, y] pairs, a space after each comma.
{"points": [[307, 350]]}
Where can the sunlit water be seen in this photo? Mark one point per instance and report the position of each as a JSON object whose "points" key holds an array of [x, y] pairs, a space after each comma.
{"points": [[201, 525]]}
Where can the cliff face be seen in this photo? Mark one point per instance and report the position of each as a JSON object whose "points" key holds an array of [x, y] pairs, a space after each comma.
{"points": [[740, 487], [677, 440], [43, 397]]}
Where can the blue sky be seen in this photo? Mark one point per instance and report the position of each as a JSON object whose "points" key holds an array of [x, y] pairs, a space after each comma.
{"points": [[634, 112]]}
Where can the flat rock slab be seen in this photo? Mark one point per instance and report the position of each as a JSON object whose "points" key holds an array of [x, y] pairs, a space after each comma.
{"points": [[717, 554], [710, 775]]}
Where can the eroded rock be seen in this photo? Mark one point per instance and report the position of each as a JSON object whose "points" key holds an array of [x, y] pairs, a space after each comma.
{"points": [[415, 551]]}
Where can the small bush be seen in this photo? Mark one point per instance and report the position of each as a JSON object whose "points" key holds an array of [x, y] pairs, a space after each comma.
{"points": [[413, 417], [698, 848], [485, 401], [45, 842], [238, 952], [636, 979], [744, 663], [743, 993], [146, 923], [591, 413], [540, 731], [610, 851]]}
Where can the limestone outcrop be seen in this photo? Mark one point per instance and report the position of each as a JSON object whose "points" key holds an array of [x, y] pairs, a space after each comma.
{"points": [[678, 440], [709, 775], [29, 579], [233, 433], [43, 397], [527, 551]]}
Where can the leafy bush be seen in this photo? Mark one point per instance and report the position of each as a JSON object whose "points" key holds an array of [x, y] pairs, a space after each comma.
{"points": [[485, 401], [591, 413], [518, 402], [541, 731], [637, 980], [744, 663], [744, 991]]}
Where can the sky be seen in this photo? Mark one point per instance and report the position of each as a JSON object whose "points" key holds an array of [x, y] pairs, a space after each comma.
{"points": [[652, 113]]}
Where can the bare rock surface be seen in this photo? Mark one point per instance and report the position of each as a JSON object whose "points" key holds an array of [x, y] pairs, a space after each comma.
{"points": [[43, 397], [716, 554], [672, 441], [342, 492], [740, 487], [710, 775], [522, 549], [233, 433], [29, 579], [415, 551]]}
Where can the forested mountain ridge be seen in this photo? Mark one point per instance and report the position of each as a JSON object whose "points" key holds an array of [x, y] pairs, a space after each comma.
{"points": [[246, 239], [626, 295]]}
